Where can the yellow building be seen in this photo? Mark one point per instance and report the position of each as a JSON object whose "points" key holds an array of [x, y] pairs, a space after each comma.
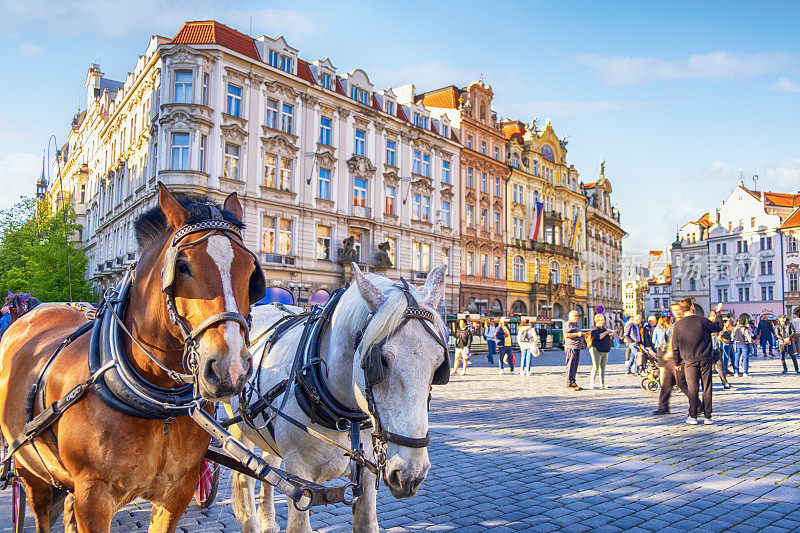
{"points": [[545, 274]]}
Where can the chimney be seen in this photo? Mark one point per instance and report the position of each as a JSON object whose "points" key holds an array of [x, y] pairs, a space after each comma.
{"points": [[93, 84]]}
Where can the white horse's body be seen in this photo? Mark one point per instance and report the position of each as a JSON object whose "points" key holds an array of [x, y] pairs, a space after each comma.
{"points": [[372, 307]]}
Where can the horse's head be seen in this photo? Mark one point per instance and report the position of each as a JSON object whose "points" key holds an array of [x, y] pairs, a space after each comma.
{"points": [[399, 357], [209, 281]]}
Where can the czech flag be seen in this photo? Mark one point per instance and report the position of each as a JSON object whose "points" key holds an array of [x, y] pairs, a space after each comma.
{"points": [[537, 221], [574, 240]]}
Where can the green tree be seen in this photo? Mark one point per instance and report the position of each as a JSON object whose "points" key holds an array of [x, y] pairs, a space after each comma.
{"points": [[33, 254]]}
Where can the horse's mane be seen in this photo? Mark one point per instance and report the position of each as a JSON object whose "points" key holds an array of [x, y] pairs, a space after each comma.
{"points": [[152, 224], [387, 318]]}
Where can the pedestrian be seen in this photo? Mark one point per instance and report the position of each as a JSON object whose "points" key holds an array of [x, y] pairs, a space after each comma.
{"points": [[647, 340], [526, 338], [719, 356], [600, 345], [543, 336], [785, 332], [490, 334], [742, 339], [618, 334], [463, 344], [5, 319], [670, 376], [692, 349], [753, 338], [796, 328], [573, 342], [766, 331], [505, 357], [633, 339], [725, 339]]}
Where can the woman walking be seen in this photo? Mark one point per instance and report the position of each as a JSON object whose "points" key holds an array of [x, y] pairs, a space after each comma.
{"points": [[528, 344], [600, 346], [742, 338], [725, 338], [463, 343]]}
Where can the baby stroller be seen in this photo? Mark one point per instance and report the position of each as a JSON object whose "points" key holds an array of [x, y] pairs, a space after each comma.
{"points": [[652, 380]]}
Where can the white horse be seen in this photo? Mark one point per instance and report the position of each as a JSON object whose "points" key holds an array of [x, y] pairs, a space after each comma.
{"points": [[374, 308]]}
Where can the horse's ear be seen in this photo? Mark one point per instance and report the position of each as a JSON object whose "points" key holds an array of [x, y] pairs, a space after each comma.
{"points": [[371, 294], [232, 204], [434, 286], [25, 297], [174, 212], [10, 294]]}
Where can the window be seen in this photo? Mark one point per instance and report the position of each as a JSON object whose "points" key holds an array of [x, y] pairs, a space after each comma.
{"points": [[791, 243], [426, 165], [272, 113], [205, 90], [270, 170], [180, 151], [325, 131], [744, 294], [445, 133], [285, 237], [391, 150], [446, 214], [273, 58], [515, 160], [285, 183], [724, 247], [577, 282], [767, 292], [324, 184], [498, 274], [722, 295], [203, 148], [469, 142], [390, 193], [233, 105], [287, 118], [555, 273], [470, 179], [389, 107], [324, 243], [483, 147], [420, 256], [793, 282], [470, 263], [358, 95], [484, 182], [426, 209], [391, 252], [470, 216], [446, 172], [497, 153], [231, 166], [325, 80], [183, 87], [416, 162], [361, 142], [446, 259], [359, 192], [268, 235], [752, 222], [766, 243], [692, 285], [484, 266], [498, 226], [484, 221], [286, 64], [518, 228], [519, 268], [416, 206], [497, 187]]}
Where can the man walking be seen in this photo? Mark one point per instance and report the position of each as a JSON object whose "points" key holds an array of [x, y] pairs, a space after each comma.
{"points": [[765, 332], [490, 334], [693, 352], [573, 342], [796, 328], [633, 339], [785, 344], [670, 376], [543, 336]]}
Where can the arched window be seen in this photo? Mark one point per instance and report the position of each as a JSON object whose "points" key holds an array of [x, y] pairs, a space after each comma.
{"points": [[519, 308], [555, 273], [577, 282], [519, 268], [483, 111], [547, 153]]}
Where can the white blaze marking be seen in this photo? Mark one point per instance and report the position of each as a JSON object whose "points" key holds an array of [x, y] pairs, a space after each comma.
{"points": [[220, 250]]}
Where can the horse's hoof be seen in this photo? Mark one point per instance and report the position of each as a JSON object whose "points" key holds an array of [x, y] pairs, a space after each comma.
{"points": [[270, 526]]}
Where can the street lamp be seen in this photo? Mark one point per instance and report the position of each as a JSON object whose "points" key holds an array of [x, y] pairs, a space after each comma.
{"points": [[297, 288]]}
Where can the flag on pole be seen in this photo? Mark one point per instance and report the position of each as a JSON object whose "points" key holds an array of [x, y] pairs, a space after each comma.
{"points": [[574, 240], [537, 220]]}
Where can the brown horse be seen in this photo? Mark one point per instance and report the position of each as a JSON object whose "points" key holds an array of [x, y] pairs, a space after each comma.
{"points": [[105, 458]]}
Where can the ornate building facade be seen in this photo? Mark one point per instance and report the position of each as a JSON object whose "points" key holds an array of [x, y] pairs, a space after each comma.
{"points": [[329, 170], [689, 262], [482, 187], [604, 236], [790, 235]]}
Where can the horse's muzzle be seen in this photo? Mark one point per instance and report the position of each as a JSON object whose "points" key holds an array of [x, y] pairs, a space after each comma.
{"points": [[218, 381]]}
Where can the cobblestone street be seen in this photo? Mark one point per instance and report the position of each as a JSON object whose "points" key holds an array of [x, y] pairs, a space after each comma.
{"points": [[522, 453]]}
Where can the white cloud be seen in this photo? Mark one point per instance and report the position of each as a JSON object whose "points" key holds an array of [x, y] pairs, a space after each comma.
{"points": [[573, 108], [18, 175], [103, 18], [619, 71], [783, 176], [788, 86], [29, 50]]}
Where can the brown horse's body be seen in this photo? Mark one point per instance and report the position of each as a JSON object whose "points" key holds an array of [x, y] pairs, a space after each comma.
{"points": [[106, 458]]}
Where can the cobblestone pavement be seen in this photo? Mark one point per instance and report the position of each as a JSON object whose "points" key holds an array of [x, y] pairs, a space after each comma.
{"points": [[515, 453]]}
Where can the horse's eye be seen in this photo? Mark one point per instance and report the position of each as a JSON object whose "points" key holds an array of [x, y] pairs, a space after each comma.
{"points": [[384, 361], [183, 268]]}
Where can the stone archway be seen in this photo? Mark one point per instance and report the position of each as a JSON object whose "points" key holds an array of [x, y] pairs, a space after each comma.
{"points": [[558, 311]]}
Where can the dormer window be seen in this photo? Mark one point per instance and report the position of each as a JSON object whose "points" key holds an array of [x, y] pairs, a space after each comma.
{"points": [[274, 57], [325, 80], [286, 64], [359, 95], [420, 121], [445, 131], [389, 106]]}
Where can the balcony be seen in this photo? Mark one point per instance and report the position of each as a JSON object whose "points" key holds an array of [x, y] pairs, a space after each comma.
{"points": [[553, 215], [277, 259], [359, 211]]}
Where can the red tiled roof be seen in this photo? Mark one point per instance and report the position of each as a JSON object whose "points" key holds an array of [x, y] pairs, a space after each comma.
{"points": [[782, 199], [433, 128], [212, 32], [339, 88], [705, 221], [513, 128], [375, 104], [453, 137], [589, 185], [304, 72], [446, 97], [401, 114], [793, 221]]}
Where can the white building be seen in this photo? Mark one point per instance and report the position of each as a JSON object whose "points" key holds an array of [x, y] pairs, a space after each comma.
{"points": [[315, 156], [790, 238], [690, 264], [659, 294]]}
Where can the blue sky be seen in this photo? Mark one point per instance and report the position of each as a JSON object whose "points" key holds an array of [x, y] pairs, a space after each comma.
{"points": [[675, 96]]}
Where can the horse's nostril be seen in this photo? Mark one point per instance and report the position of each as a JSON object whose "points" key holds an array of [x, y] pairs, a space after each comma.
{"points": [[393, 478]]}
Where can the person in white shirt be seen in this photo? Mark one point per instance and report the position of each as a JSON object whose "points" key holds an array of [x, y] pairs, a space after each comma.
{"points": [[491, 340]]}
